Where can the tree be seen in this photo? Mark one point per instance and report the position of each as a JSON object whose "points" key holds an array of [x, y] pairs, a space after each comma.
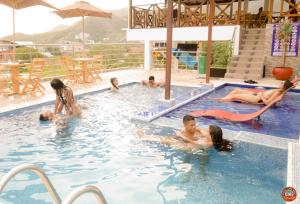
{"points": [[27, 53]]}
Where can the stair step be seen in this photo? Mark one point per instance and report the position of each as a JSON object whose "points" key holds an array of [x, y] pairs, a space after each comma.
{"points": [[252, 47], [248, 58], [252, 42], [258, 71], [243, 76], [254, 31], [251, 53], [246, 64]]}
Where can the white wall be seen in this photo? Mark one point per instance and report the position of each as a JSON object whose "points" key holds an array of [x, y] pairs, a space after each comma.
{"points": [[181, 34]]}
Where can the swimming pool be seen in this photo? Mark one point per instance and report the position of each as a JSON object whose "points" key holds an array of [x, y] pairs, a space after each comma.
{"points": [[282, 121], [101, 149]]}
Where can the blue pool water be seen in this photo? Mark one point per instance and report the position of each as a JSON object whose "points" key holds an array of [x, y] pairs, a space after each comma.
{"points": [[282, 121], [101, 149]]}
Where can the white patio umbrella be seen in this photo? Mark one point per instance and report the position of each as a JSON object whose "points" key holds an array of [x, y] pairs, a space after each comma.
{"points": [[20, 4], [82, 9]]}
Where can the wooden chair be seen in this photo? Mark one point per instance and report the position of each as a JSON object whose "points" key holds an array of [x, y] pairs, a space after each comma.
{"points": [[72, 73], [5, 82], [32, 81], [95, 67]]}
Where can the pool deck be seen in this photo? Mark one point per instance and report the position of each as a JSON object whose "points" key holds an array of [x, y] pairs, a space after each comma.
{"points": [[183, 77]]}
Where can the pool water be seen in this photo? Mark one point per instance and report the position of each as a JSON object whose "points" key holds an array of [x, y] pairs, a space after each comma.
{"points": [[101, 149], [282, 121]]}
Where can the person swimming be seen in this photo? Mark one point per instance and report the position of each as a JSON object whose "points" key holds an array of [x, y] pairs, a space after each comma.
{"points": [[151, 82], [47, 116], [114, 84], [265, 97], [191, 137], [64, 99]]}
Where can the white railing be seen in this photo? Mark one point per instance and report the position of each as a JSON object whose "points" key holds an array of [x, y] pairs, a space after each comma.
{"points": [[83, 190], [47, 183]]}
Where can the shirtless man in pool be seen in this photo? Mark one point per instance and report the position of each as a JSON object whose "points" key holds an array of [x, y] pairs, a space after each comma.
{"points": [[191, 138]]}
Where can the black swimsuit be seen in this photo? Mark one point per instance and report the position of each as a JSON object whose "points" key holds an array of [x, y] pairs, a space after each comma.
{"points": [[255, 94]]}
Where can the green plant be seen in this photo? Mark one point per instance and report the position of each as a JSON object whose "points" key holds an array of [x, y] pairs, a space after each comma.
{"points": [[27, 53], [283, 34]]}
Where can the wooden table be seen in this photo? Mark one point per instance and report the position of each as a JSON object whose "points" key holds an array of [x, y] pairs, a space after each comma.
{"points": [[14, 70], [84, 64]]}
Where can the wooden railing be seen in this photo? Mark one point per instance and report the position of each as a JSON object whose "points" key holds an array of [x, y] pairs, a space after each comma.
{"points": [[185, 15]]}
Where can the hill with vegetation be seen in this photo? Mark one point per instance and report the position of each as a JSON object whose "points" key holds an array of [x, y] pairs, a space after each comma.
{"points": [[98, 28]]}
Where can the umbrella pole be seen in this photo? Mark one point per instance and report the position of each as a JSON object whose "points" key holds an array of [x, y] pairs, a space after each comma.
{"points": [[83, 31], [14, 37]]}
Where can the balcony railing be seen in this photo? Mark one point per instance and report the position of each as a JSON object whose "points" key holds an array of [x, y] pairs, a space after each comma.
{"points": [[187, 14]]}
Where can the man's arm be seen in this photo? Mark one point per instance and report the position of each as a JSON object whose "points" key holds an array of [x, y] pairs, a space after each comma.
{"points": [[187, 139], [57, 105], [144, 82]]}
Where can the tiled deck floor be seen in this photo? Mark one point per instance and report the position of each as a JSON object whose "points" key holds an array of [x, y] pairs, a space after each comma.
{"points": [[124, 76]]}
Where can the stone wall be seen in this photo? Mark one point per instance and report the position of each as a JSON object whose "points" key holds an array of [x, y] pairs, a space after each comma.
{"points": [[270, 61]]}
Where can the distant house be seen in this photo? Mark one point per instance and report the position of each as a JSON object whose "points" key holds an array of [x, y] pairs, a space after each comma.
{"points": [[69, 47], [6, 50], [79, 36]]}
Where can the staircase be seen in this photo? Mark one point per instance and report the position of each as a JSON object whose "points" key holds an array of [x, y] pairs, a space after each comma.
{"points": [[249, 64]]}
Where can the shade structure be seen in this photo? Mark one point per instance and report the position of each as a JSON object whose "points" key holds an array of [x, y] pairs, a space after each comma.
{"points": [[20, 4], [82, 9]]}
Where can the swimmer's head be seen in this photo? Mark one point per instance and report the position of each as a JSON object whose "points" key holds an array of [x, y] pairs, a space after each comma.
{"points": [[57, 84], [189, 123], [151, 79], [46, 116], [219, 143], [114, 82], [287, 84]]}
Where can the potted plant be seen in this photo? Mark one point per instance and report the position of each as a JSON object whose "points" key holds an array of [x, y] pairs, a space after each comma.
{"points": [[283, 72]]}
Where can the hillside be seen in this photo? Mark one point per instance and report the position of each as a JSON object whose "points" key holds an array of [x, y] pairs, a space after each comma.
{"points": [[98, 28]]}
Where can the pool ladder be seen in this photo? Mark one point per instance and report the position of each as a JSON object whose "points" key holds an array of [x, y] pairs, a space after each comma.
{"points": [[47, 183]]}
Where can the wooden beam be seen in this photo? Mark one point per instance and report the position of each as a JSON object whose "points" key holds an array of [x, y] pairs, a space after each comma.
{"points": [[209, 41], [270, 11], [169, 50], [239, 12], [178, 12], [130, 15]]}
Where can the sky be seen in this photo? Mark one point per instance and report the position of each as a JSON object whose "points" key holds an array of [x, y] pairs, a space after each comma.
{"points": [[39, 19]]}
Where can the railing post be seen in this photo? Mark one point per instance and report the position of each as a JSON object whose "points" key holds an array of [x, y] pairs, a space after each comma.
{"points": [[178, 12], [130, 15], [147, 54], [239, 12], [209, 39], [270, 11]]}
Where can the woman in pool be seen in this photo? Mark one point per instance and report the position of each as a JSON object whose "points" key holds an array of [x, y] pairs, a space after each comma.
{"points": [[65, 99], [114, 84], [192, 138], [261, 97]]}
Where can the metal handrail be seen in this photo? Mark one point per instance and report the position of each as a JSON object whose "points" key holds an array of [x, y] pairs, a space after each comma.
{"points": [[38, 171], [82, 190], [233, 35]]}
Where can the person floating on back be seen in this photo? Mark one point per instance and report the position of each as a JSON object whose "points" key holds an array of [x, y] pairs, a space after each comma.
{"points": [[151, 83], [191, 138]]}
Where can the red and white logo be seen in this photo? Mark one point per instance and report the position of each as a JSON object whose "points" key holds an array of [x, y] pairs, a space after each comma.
{"points": [[289, 194]]}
